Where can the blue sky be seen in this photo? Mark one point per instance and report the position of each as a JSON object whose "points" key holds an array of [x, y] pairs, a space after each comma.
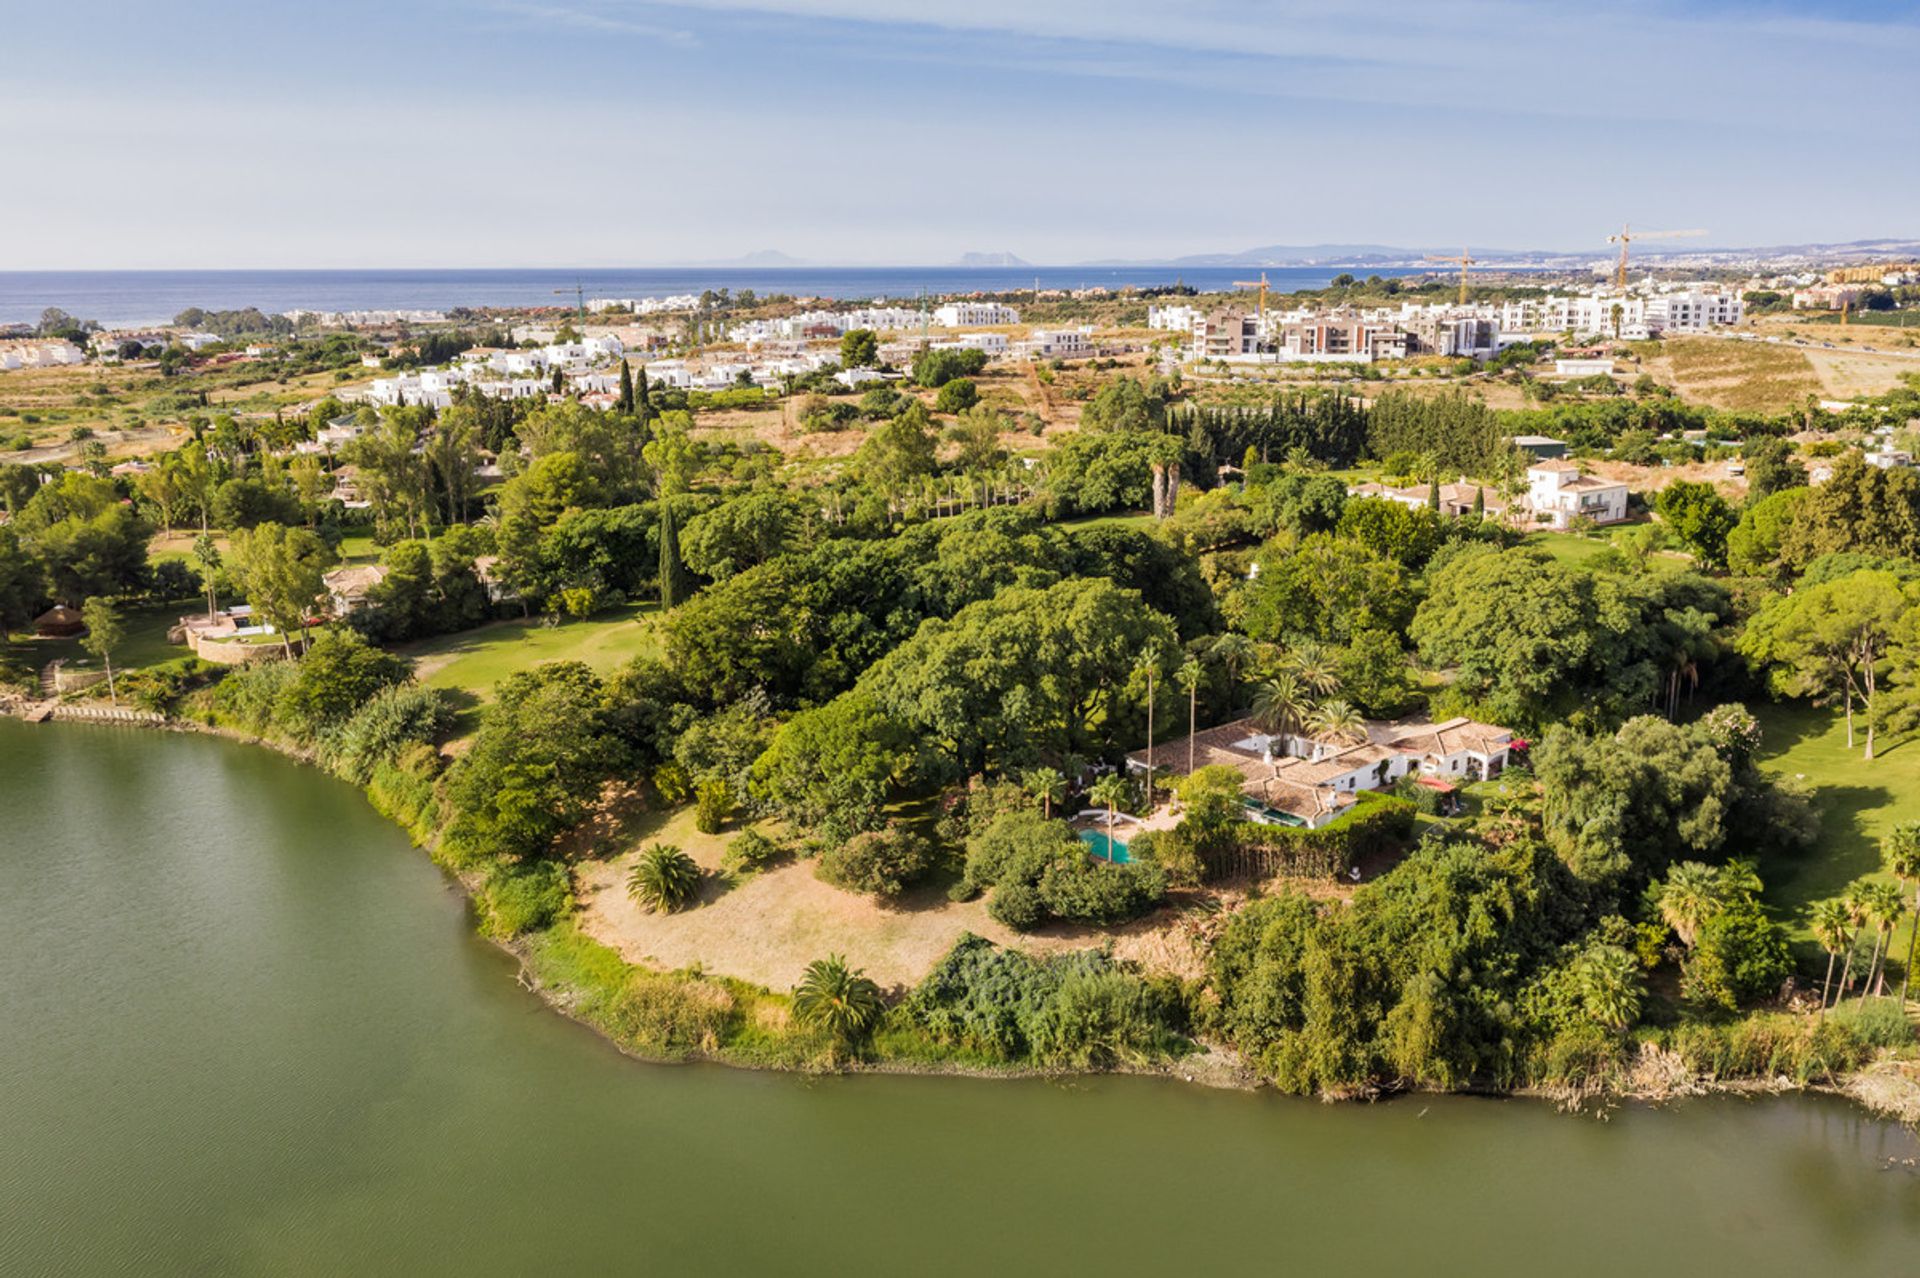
{"points": [[618, 132]]}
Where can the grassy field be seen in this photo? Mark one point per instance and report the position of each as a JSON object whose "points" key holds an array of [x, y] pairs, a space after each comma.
{"points": [[1739, 375], [1569, 548], [145, 643], [1860, 803], [475, 660]]}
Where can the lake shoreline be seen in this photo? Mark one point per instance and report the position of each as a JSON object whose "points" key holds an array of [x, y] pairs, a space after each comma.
{"points": [[1885, 1088]]}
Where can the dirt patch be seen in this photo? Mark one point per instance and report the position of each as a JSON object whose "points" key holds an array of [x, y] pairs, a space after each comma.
{"points": [[767, 928]]}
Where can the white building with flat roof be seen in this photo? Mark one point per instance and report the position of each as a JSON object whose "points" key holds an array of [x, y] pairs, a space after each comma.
{"points": [[974, 314]]}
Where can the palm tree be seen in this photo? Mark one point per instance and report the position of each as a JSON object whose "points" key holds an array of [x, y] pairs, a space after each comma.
{"points": [[1834, 930], [1609, 982], [1856, 911], [1901, 852], [1884, 906], [664, 878], [838, 999], [1149, 662], [1107, 792], [1337, 721], [1046, 785], [1692, 894], [1314, 665], [1280, 704], [1188, 676]]}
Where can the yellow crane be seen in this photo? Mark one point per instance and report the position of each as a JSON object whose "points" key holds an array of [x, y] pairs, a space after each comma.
{"points": [[1628, 235], [1463, 262], [1260, 284]]}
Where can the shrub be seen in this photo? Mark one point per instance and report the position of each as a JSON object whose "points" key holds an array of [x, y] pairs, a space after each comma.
{"points": [[524, 898], [1018, 906], [878, 862], [664, 1015], [713, 800], [663, 879], [670, 781], [1078, 888], [395, 719], [956, 396], [1081, 1009], [751, 850], [1878, 1022], [1740, 955]]}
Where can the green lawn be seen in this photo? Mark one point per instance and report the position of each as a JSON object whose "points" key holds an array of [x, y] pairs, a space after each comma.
{"points": [[475, 660], [145, 643], [1860, 802]]}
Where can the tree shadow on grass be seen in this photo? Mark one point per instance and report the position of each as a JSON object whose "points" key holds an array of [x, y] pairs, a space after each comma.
{"points": [[1844, 851]]}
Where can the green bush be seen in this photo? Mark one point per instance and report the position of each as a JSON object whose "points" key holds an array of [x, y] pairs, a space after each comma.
{"points": [[396, 719], [524, 898], [713, 801], [1081, 1009], [1878, 1022], [751, 850], [877, 863], [1018, 906]]}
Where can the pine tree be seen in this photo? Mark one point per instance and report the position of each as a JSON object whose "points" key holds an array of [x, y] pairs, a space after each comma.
{"points": [[672, 572]]}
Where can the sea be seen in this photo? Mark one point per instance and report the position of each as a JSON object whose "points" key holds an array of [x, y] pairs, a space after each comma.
{"points": [[120, 299]]}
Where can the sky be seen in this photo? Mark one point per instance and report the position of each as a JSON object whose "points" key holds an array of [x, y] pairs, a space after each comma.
{"points": [[449, 133]]}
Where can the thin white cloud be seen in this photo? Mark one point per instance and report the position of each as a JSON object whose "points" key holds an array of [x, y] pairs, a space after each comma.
{"points": [[589, 20]]}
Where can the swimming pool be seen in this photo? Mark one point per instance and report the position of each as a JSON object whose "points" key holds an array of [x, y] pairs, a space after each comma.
{"points": [[1104, 846]]}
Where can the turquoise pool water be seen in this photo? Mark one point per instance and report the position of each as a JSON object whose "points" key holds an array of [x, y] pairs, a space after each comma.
{"points": [[1105, 846]]}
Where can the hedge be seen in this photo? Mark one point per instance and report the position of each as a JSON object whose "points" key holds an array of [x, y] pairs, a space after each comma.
{"points": [[1378, 822]]}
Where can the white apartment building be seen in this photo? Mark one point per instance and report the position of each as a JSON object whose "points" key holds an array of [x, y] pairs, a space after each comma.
{"points": [[1693, 311], [1055, 343], [1559, 493], [40, 353], [991, 343], [1178, 319], [974, 315]]}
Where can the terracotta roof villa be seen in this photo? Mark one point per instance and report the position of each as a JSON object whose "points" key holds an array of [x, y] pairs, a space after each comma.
{"points": [[1306, 780], [348, 588]]}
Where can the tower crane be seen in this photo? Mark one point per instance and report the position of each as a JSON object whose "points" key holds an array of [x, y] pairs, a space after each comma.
{"points": [[1463, 262], [579, 298], [1628, 235], [1260, 284]]}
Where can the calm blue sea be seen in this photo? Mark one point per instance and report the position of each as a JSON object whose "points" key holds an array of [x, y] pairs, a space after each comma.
{"points": [[117, 298]]}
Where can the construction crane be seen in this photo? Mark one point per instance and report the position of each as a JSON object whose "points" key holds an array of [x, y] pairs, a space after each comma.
{"points": [[1260, 284], [1463, 262], [579, 298], [1628, 235]]}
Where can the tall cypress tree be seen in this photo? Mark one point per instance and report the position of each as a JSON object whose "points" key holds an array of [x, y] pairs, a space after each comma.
{"points": [[1433, 494], [672, 572], [626, 387], [640, 402]]}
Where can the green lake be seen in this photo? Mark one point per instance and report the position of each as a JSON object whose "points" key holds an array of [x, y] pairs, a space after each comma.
{"points": [[245, 1028]]}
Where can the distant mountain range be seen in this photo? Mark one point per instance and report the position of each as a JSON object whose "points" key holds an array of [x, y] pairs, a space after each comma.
{"points": [[1375, 256]]}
